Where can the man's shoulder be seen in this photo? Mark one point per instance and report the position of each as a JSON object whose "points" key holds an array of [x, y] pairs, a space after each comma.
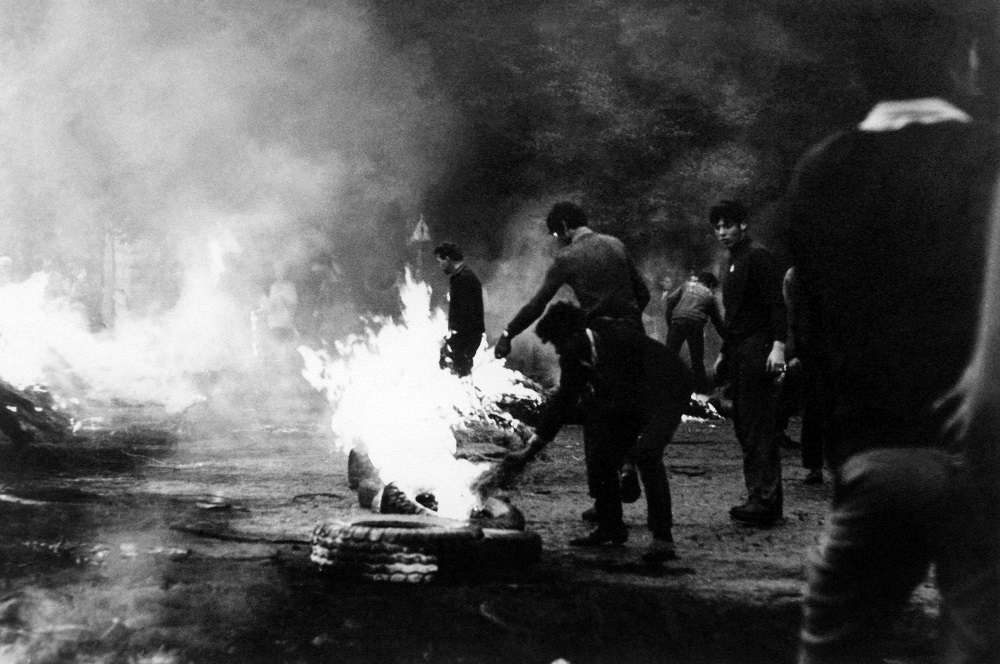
{"points": [[466, 275], [752, 252], [590, 244]]}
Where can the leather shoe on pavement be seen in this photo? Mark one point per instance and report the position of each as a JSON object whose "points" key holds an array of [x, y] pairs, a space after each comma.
{"points": [[602, 536], [754, 515], [589, 515], [659, 551], [742, 507]]}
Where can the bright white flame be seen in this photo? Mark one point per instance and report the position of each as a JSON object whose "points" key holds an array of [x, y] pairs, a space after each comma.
{"points": [[392, 398], [46, 338]]}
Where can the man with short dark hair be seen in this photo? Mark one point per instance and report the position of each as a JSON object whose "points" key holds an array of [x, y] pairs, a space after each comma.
{"points": [[605, 282], [752, 355], [633, 392], [466, 324], [596, 266], [689, 308]]}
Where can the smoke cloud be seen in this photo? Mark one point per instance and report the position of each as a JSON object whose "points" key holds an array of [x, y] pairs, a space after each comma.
{"points": [[208, 147]]}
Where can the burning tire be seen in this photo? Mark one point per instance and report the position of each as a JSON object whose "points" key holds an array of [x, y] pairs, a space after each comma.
{"points": [[415, 549]]}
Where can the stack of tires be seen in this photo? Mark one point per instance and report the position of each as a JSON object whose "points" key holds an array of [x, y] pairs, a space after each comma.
{"points": [[420, 549]]}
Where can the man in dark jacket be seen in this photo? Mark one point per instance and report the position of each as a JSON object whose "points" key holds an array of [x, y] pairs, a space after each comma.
{"points": [[466, 324], [605, 282], [688, 310], [889, 224], [752, 355], [632, 391], [596, 266]]}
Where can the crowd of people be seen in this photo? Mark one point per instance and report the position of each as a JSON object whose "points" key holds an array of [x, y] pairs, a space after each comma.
{"points": [[887, 317]]}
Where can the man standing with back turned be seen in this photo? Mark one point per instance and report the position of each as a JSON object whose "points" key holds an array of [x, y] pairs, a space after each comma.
{"points": [[753, 353]]}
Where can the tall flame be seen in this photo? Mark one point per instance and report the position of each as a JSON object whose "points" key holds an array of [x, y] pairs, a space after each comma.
{"points": [[391, 397]]}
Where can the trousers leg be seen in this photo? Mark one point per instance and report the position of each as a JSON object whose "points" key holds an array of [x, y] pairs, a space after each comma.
{"points": [[696, 347], [876, 548], [755, 421], [675, 337], [648, 453], [968, 574], [813, 420], [604, 451]]}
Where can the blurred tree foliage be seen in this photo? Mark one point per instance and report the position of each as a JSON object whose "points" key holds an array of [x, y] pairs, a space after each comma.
{"points": [[646, 111]]}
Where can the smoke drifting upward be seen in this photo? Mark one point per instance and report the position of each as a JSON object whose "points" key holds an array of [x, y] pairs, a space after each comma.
{"points": [[214, 143]]}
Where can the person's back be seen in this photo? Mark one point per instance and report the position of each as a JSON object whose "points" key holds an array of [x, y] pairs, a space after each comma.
{"points": [[465, 304], [888, 231], [599, 270], [694, 302], [595, 266]]}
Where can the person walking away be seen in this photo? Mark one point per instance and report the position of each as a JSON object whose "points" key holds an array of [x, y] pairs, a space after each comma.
{"points": [[633, 392], [689, 308], [752, 356], [466, 323]]}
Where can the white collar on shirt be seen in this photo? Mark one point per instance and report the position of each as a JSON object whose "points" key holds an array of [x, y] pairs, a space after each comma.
{"points": [[892, 115], [580, 232]]}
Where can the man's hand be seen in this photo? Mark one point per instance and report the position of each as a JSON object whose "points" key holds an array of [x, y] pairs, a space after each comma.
{"points": [[518, 459], [776, 359], [502, 349], [522, 457]]}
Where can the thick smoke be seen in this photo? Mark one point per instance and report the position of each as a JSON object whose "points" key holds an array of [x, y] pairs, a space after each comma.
{"points": [[163, 161]]}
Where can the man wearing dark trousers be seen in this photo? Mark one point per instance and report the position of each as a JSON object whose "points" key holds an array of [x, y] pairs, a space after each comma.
{"points": [[889, 226], [466, 324], [632, 391], [688, 310], [752, 355], [807, 373], [605, 282]]}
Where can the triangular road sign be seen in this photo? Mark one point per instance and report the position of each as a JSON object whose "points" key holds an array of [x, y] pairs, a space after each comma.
{"points": [[421, 233]]}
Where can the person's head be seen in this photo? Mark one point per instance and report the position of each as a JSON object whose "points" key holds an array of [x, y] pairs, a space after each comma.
{"points": [[564, 218], [448, 256], [708, 279], [560, 322], [907, 49], [729, 221]]}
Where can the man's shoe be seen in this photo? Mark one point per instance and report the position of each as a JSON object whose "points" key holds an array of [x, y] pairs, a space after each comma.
{"points": [[630, 486], [738, 508], [754, 515], [589, 515], [600, 536], [659, 551], [814, 477]]}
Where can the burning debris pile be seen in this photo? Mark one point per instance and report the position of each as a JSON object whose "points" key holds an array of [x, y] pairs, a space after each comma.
{"points": [[34, 415], [418, 439], [413, 428]]}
